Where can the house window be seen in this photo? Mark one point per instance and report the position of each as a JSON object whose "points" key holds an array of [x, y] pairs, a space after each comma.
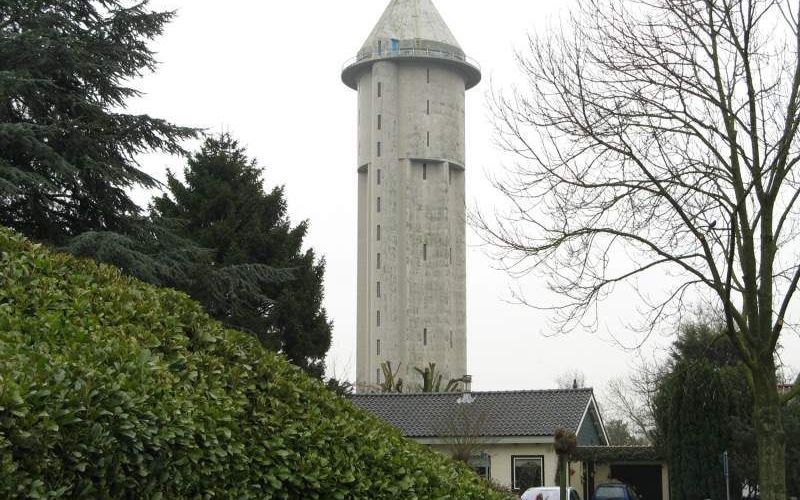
{"points": [[424, 171], [380, 88], [379, 347], [378, 318], [379, 122], [527, 472], [379, 289], [379, 233], [379, 177], [425, 336], [424, 251], [482, 465], [379, 204], [428, 109], [379, 149], [379, 262]]}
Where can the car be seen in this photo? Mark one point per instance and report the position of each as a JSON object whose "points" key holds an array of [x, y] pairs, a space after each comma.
{"points": [[549, 493], [614, 491]]}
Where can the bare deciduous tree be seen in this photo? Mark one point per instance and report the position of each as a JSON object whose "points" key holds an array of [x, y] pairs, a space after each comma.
{"points": [[464, 428], [571, 379], [659, 137], [632, 399]]}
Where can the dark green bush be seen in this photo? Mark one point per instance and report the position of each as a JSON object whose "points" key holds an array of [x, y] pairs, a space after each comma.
{"points": [[112, 388]]}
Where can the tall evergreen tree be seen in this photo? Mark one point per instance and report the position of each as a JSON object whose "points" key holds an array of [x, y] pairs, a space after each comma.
{"points": [[223, 208], [67, 151], [703, 408]]}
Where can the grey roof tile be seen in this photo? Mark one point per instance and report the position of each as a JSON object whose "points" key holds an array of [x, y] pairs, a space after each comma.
{"points": [[517, 413]]}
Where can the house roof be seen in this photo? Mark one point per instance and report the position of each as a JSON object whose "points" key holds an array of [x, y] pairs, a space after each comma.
{"points": [[411, 20], [517, 413]]}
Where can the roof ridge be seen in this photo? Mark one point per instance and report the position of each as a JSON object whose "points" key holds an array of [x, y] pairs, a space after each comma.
{"points": [[459, 393]]}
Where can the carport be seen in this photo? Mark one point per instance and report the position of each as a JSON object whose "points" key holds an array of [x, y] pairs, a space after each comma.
{"points": [[638, 466]]}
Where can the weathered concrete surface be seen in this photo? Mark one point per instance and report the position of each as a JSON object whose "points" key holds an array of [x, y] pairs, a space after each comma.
{"points": [[411, 222]]}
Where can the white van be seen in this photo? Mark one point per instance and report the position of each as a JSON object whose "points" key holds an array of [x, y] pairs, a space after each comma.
{"points": [[549, 493]]}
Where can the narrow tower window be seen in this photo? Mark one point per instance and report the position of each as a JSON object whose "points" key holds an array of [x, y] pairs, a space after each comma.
{"points": [[379, 122], [379, 289], [424, 251], [378, 376], [379, 347], [428, 109], [379, 261], [379, 149], [380, 88], [451, 255], [449, 175], [451, 339], [425, 336], [424, 171], [379, 177], [378, 318], [380, 47], [428, 140], [379, 233], [428, 75], [379, 204]]}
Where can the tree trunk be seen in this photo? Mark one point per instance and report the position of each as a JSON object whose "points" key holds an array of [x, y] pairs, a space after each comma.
{"points": [[562, 475], [770, 436]]}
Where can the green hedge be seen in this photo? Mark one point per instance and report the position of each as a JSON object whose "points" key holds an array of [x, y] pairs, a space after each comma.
{"points": [[112, 388]]}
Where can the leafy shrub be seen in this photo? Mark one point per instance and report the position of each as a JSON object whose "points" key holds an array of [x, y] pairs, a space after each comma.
{"points": [[113, 388]]}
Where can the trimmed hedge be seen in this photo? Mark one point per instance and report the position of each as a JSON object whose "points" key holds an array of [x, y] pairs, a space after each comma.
{"points": [[113, 388]]}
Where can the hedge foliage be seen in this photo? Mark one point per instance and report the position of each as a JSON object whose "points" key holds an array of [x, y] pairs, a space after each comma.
{"points": [[111, 388]]}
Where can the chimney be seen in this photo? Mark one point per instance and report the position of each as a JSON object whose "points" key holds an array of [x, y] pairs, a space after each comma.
{"points": [[466, 397], [575, 383]]}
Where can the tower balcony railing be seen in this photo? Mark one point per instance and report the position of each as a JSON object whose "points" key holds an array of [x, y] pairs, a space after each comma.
{"points": [[412, 52]]}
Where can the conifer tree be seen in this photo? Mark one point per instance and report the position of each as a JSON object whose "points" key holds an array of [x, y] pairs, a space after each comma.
{"points": [[223, 208], [67, 150], [703, 407]]}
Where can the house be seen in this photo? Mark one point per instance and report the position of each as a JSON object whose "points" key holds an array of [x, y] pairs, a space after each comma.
{"points": [[504, 436]]}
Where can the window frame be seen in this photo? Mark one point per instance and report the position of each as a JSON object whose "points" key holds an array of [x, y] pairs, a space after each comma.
{"points": [[514, 459], [475, 458]]}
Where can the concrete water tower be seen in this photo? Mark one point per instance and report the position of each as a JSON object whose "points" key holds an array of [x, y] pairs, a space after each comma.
{"points": [[411, 76]]}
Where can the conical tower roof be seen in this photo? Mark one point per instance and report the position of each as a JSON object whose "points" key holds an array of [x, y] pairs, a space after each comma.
{"points": [[411, 20], [411, 30]]}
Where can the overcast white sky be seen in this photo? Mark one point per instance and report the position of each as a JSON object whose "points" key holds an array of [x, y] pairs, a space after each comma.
{"points": [[269, 73]]}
